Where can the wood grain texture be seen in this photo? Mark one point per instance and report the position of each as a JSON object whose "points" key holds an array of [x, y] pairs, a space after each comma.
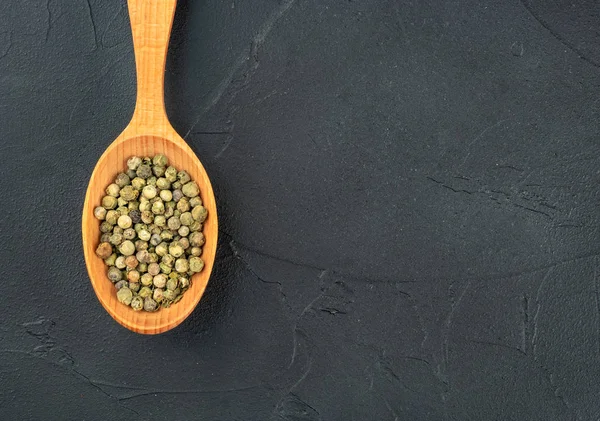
{"points": [[148, 133]]}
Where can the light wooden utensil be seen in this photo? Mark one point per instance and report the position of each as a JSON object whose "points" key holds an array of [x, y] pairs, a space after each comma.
{"points": [[148, 133]]}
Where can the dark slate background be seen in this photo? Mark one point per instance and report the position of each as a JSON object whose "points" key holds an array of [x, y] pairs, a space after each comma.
{"points": [[409, 206]]}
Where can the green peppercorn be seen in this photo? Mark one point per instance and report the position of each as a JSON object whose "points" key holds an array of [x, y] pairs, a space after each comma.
{"points": [[146, 279], [182, 265], [137, 303], [105, 237], [153, 269], [195, 201], [129, 234], [171, 174], [145, 292], [177, 195], [186, 219], [196, 251], [166, 195], [176, 185], [149, 192], [160, 280], [144, 171], [147, 217], [141, 245], [127, 248], [133, 276], [172, 284], [121, 284], [106, 227], [142, 256], [138, 183], [104, 250], [190, 189], [151, 181], [134, 286], [196, 226], [160, 221], [145, 205], [158, 171], [197, 239], [124, 221], [110, 260], [184, 242], [196, 264], [112, 216], [168, 260], [131, 262], [150, 305], [100, 213], [158, 207], [153, 258], [122, 180], [123, 210], [184, 282], [173, 223], [183, 205], [183, 177], [133, 206], [157, 295], [163, 184], [166, 269], [113, 190], [162, 249], [114, 274], [168, 295], [120, 262], [124, 295], [129, 193], [131, 174], [122, 204], [166, 235], [116, 239], [199, 213], [183, 231], [134, 162], [142, 267], [109, 202], [155, 239], [175, 249], [160, 160]]}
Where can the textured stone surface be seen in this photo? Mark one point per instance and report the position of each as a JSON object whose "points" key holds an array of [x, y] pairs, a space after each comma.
{"points": [[408, 197]]}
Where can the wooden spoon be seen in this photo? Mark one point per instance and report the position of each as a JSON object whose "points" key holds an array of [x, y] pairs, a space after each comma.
{"points": [[148, 133]]}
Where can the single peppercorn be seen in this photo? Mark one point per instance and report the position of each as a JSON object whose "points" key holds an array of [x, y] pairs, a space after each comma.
{"points": [[137, 303], [160, 160], [199, 213], [184, 242], [114, 274], [158, 207], [160, 280], [196, 251], [183, 231], [116, 239], [171, 174], [166, 195], [124, 221], [195, 201], [190, 189], [186, 219], [160, 221], [172, 284], [127, 248], [157, 295], [145, 292], [120, 262], [153, 269], [122, 180], [196, 226], [182, 265], [109, 202], [197, 239], [138, 183], [184, 282], [131, 262], [183, 177], [174, 223], [134, 162], [112, 216], [175, 249], [142, 256], [196, 264], [129, 193], [144, 171], [133, 276], [163, 184], [104, 250], [183, 205], [110, 260], [146, 279], [100, 213], [129, 234], [136, 216], [121, 284], [113, 190], [166, 235], [166, 269], [124, 295], [177, 195], [150, 304]]}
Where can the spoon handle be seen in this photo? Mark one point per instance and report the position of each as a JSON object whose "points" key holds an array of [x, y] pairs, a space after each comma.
{"points": [[151, 22]]}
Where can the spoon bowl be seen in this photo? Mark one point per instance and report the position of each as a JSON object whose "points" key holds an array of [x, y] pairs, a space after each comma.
{"points": [[148, 134]]}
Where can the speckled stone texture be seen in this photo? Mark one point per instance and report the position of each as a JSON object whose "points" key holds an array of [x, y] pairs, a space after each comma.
{"points": [[409, 205]]}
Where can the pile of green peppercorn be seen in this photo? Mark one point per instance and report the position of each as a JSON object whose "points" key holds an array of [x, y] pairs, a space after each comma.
{"points": [[151, 227]]}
